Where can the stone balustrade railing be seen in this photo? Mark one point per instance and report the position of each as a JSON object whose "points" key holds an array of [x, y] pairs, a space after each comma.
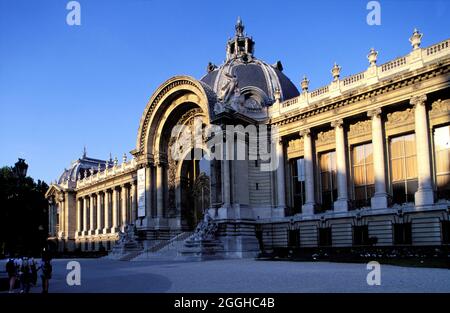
{"points": [[352, 79], [320, 91], [290, 102], [415, 59], [107, 173]]}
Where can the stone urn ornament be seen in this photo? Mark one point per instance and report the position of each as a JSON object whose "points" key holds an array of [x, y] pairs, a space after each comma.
{"points": [[336, 72], [416, 39], [372, 57]]}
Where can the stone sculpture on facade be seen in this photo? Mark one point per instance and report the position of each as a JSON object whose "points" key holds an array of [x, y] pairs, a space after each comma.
{"points": [[126, 245], [206, 229], [228, 88]]}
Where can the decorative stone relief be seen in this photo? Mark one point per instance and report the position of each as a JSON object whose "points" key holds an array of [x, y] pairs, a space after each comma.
{"points": [[360, 128], [325, 137], [440, 106], [295, 145], [400, 117]]}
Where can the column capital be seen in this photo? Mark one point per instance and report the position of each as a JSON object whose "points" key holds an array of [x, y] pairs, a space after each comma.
{"points": [[280, 141], [305, 132], [374, 113], [418, 100], [337, 123]]}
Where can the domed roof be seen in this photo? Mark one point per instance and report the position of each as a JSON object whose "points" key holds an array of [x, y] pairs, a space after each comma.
{"points": [[82, 168], [249, 72]]}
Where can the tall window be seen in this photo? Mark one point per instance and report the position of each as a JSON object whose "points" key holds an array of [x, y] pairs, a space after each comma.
{"points": [[402, 234], [442, 151], [403, 168], [361, 235], [325, 237], [293, 238], [298, 184], [445, 232], [363, 180], [328, 179]]}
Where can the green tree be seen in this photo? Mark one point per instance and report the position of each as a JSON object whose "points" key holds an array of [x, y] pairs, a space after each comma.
{"points": [[23, 213]]}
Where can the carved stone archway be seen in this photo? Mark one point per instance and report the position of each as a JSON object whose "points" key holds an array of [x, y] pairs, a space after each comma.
{"points": [[176, 103]]}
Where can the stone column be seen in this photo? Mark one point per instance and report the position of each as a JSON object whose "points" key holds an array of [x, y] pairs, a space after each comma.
{"points": [[379, 199], [61, 218], [160, 190], [341, 204], [308, 207], [281, 191], [107, 211], [99, 213], [133, 216], [78, 229], [424, 194], [115, 205], [148, 192], [225, 211], [124, 206], [227, 151], [92, 216], [85, 215]]}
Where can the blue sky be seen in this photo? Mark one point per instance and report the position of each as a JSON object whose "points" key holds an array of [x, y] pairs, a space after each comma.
{"points": [[63, 87]]}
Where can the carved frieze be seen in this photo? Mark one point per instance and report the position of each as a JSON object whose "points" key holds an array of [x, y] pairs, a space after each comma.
{"points": [[440, 107], [295, 145], [360, 128], [395, 119], [325, 137]]}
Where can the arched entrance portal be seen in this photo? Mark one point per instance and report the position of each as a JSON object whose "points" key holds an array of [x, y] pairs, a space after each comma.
{"points": [[195, 189]]}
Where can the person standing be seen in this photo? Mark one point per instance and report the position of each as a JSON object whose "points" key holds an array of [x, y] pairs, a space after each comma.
{"points": [[11, 269], [46, 274], [25, 276], [33, 269]]}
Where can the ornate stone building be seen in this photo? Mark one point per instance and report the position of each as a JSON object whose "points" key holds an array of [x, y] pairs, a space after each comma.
{"points": [[362, 160]]}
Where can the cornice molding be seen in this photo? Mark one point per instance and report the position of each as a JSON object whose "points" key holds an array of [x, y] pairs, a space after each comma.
{"points": [[351, 98]]}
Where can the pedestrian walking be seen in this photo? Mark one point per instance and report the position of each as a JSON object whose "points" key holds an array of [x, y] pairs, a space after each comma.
{"points": [[25, 276], [46, 274], [11, 269], [33, 268]]}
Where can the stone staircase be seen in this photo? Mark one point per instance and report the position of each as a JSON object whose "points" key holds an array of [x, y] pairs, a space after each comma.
{"points": [[126, 247], [163, 250]]}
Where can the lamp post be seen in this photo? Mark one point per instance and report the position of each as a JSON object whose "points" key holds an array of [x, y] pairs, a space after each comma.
{"points": [[20, 171], [20, 168]]}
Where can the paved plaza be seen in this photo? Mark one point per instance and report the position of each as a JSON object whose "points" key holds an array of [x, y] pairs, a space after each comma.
{"points": [[101, 275]]}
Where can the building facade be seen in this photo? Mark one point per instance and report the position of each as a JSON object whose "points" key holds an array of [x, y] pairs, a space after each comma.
{"points": [[361, 161]]}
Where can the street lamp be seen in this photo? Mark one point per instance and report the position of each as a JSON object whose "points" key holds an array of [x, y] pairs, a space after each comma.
{"points": [[20, 168]]}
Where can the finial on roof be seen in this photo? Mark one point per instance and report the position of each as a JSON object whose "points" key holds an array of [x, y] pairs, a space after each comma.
{"points": [[110, 158], [304, 84], [336, 71], [84, 152], [372, 57], [239, 27], [416, 39]]}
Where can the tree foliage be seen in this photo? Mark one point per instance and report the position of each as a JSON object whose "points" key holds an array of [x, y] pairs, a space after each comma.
{"points": [[23, 213]]}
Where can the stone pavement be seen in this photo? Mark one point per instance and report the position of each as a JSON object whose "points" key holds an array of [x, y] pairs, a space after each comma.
{"points": [[101, 275]]}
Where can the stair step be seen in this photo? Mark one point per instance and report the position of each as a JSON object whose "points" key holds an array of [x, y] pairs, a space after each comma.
{"points": [[164, 249]]}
